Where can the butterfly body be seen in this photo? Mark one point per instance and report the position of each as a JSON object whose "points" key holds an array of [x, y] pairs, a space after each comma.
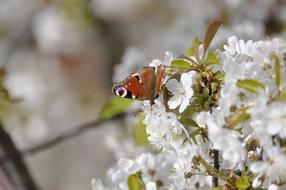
{"points": [[144, 85]]}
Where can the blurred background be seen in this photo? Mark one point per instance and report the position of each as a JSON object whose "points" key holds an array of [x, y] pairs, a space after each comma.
{"points": [[61, 58]]}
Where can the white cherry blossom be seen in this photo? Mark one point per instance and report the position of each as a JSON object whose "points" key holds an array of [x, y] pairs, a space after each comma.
{"points": [[182, 91], [236, 47], [177, 146]]}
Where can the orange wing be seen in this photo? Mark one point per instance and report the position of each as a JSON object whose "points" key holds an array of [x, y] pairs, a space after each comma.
{"points": [[160, 75], [134, 86], [148, 81]]}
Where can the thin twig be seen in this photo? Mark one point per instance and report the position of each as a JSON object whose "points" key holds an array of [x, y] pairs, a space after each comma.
{"points": [[213, 171], [59, 139], [216, 166], [216, 163], [15, 168], [5, 183]]}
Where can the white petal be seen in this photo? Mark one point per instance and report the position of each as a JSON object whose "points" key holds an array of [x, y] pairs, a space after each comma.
{"points": [[273, 129], [175, 101], [273, 187], [128, 165], [96, 184], [201, 51], [174, 86], [168, 57], [258, 167], [249, 44], [187, 79], [257, 181], [151, 186], [155, 63], [241, 46], [184, 104], [232, 42], [228, 49], [189, 92]]}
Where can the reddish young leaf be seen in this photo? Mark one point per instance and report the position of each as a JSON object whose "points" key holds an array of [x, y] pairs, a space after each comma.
{"points": [[210, 33]]}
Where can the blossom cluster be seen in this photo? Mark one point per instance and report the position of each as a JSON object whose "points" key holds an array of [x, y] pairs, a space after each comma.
{"points": [[219, 116], [57, 56]]}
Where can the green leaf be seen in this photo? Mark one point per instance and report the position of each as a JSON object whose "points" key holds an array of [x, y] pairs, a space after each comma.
{"points": [[190, 51], [217, 76], [242, 182], [210, 33], [195, 133], [139, 134], [212, 59], [196, 45], [195, 42], [189, 122], [181, 64], [193, 50], [238, 116], [134, 182], [250, 85], [114, 106], [277, 69], [281, 96]]}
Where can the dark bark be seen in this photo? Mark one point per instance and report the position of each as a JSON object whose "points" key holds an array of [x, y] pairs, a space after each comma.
{"points": [[216, 166], [14, 169], [73, 132]]}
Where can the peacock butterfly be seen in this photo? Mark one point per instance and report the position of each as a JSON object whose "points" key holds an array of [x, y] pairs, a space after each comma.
{"points": [[144, 85]]}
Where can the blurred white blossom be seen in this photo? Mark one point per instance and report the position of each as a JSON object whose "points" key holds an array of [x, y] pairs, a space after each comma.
{"points": [[112, 10], [131, 60], [55, 33]]}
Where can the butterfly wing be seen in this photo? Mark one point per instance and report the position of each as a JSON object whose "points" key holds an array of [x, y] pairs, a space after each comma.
{"points": [[148, 79], [144, 85], [160, 76], [135, 87]]}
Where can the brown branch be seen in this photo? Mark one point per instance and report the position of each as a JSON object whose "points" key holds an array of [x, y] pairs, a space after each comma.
{"points": [[15, 169], [216, 166], [5, 183], [59, 139]]}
